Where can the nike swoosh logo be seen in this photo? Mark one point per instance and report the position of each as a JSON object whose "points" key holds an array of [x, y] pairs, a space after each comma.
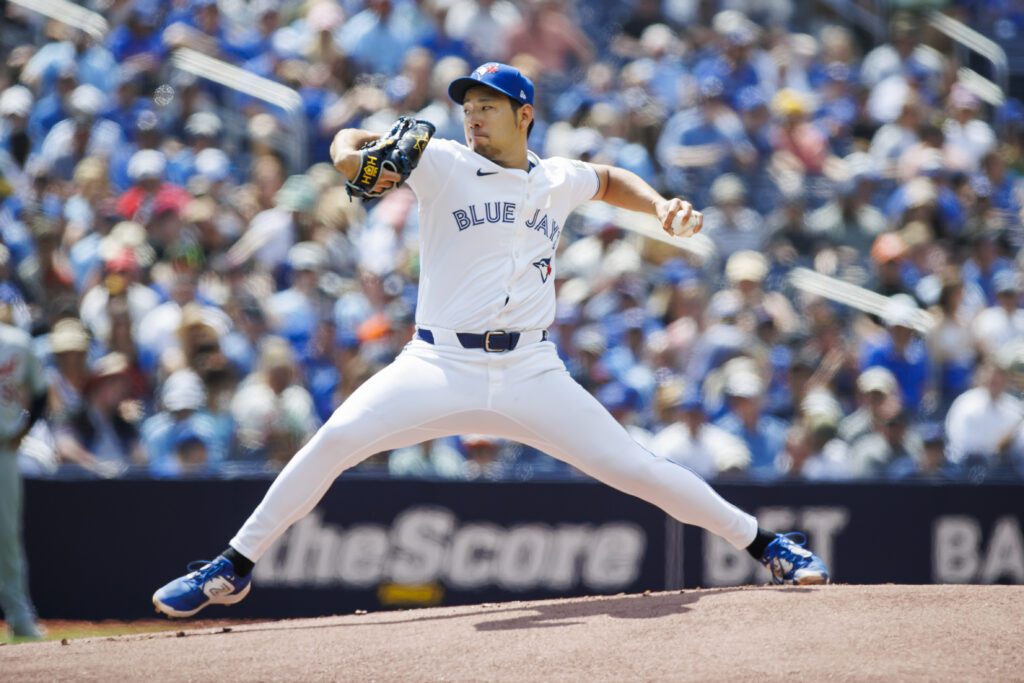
{"points": [[480, 172]]}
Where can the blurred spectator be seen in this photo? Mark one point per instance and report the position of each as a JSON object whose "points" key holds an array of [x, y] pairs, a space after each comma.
{"points": [[968, 137], [273, 231], [158, 329], [932, 463], [950, 344], [47, 275], [1006, 184], [729, 222], [150, 195], [101, 428], [787, 223], [896, 137], [294, 312], [902, 352], [722, 339], [136, 43], [877, 396], [483, 25], [746, 272], [498, 459], [169, 436], [763, 435], [83, 134], [800, 147], [67, 378], [121, 274], [849, 219], [888, 253], [442, 111], [127, 105], [11, 294], [434, 458], [624, 404], [54, 106], [241, 343], [692, 442], [16, 104], [121, 340], [985, 262], [199, 334], [203, 129], [378, 37], [873, 455], [889, 69], [812, 451], [274, 414], [601, 253], [71, 48], [699, 145], [1001, 325], [547, 33], [983, 426]]}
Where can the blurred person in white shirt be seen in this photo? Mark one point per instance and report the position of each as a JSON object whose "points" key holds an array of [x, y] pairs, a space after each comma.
{"points": [[694, 443], [984, 424], [997, 326], [968, 136]]}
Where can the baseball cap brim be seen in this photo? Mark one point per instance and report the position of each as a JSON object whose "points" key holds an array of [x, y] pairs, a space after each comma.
{"points": [[460, 86]]}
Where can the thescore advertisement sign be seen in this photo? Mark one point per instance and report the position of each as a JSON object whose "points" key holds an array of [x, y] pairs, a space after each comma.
{"points": [[376, 544]]}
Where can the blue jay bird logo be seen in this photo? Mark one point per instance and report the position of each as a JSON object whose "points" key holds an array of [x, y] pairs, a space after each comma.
{"points": [[544, 266]]}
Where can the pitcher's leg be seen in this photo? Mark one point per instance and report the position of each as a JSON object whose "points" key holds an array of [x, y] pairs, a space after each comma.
{"points": [[389, 411], [561, 418]]}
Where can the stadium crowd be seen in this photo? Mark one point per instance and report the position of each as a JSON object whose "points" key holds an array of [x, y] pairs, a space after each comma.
{"points": [[203, 293]]}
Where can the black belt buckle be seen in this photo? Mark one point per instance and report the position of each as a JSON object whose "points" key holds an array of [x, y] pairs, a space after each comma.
{"points": [[504, 343]]}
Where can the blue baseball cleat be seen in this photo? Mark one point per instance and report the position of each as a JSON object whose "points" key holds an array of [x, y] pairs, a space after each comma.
{"points": [[206, 583], [791, 563]]}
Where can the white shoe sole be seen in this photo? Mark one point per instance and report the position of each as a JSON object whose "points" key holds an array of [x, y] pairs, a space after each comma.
{"points": [[811, 580], [178, 614]]}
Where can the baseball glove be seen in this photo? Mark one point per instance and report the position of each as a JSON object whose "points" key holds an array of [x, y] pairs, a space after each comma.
{"points": [[399, 152]]}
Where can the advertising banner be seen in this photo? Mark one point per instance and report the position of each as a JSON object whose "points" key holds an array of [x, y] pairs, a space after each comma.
{"points": [[98, 549]]}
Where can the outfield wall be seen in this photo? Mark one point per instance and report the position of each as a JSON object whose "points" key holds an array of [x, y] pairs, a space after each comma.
{"points": [[98, 549]]}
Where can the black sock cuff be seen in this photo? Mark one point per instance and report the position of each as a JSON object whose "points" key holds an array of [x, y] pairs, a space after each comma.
{"points": [[242, 564], [760, 543]]}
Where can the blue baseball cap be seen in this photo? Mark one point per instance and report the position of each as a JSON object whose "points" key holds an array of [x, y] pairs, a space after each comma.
{"points": [[501, 77]]}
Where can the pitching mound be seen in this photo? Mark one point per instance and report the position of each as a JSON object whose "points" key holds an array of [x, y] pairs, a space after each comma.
{"points": [[953, 633]]}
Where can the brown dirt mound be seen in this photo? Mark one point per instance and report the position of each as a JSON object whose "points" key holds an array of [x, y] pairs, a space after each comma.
{"points": [[949, 633]]}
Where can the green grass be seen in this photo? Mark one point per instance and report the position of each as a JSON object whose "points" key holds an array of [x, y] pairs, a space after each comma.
{"points": [[59, 630]]}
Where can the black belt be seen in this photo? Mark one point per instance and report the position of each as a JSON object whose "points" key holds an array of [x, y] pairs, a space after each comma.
{"points": [[492, 341]]}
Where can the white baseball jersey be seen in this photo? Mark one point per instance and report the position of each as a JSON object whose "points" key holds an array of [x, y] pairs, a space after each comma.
{"points": [[488, 236], [21, 378]]}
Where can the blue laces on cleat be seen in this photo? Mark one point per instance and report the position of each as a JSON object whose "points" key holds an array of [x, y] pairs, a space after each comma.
{"points": [[201, 570]]}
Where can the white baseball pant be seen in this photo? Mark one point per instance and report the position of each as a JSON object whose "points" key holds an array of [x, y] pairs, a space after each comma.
{"points": [[524, 395]]}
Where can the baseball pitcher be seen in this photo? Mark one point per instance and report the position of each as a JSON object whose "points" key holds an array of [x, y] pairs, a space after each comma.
{"points": [[491, 213]]}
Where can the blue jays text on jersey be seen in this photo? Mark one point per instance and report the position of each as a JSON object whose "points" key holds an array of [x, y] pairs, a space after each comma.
{"points": [[505, 212]]}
